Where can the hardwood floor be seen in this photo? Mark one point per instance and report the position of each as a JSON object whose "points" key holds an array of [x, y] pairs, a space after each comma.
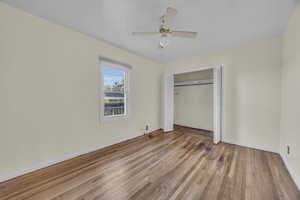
{"points": [[193, 130], [177, 165]]}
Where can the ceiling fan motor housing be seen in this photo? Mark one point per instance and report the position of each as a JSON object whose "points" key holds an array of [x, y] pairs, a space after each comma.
{"points": [[164, 29]]}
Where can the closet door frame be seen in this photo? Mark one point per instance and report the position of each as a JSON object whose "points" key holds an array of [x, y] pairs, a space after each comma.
{"points": [[168, 99]]}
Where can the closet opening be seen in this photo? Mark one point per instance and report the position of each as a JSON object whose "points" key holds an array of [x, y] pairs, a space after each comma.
{"points": [[194, 102]]}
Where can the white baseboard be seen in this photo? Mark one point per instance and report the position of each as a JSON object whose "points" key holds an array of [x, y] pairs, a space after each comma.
{"points": [[291, 171], [70, 156], [253, 147], [52, 162], [289, 168]]}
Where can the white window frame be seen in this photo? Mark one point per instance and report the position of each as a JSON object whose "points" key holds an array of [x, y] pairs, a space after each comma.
{"points": [[118, 66]]}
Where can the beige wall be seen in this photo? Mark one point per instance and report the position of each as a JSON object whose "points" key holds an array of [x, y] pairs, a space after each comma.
{"points": [[49, 102], [193, 106], [252, 91], [194, 76], [290, 129]]}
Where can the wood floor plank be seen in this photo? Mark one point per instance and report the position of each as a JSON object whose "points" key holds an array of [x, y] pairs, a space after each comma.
{"points": [[173, 166]]}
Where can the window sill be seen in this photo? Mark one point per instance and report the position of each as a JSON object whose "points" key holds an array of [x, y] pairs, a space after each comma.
{"points": [[114, 118]]}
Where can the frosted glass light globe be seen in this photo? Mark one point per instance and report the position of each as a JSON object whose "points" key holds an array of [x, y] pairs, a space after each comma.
{"points": [[164, 41]]}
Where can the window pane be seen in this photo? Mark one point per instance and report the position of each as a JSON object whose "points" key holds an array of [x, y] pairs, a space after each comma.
{"points": [[114, 95]]}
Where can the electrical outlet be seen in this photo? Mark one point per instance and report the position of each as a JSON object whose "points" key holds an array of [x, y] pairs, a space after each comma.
{"points": [[146, 129], [288, 151]]}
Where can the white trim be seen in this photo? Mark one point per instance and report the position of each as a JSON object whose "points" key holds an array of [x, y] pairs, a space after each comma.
{"points": [[70, 156], [218, 117], [199, 82], [194, 69], [292, 172], [252, 146], [119, 66], [63, 158], [222, 102], [289, 168], [168, 100]]}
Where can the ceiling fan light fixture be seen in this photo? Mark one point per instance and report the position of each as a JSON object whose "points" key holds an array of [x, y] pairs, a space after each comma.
{"points": [[164, 41], [165, 32]]}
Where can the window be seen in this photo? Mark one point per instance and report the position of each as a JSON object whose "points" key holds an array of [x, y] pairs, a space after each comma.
{"points": [[114, 93]]}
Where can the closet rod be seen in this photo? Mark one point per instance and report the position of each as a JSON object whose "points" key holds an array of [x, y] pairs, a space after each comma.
{"points": [[190, 83], [193, 84]]}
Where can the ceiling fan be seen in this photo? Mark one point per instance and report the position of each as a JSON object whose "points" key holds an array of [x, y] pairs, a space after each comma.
{"points": [[165, 31]]}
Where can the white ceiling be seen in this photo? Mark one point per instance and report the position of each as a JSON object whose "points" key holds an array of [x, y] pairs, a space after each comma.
{"points": [[220, 23]]}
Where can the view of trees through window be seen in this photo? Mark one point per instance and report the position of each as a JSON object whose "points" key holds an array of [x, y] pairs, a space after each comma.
{"points": [[114, 92]]}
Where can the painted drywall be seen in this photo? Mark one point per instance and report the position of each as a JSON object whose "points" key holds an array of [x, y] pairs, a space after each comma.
{"points": [[290, 130], [252, 87], [219, 23], [49, 88], [193, 106], [194, 76], [49, 93]]}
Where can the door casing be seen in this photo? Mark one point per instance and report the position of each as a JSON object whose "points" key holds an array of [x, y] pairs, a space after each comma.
{"points": [[168, 99]]}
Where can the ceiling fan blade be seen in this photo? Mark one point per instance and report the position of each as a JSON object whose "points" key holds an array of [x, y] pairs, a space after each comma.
{"points": [[186, 34], [168, 18], [145, 33]]}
